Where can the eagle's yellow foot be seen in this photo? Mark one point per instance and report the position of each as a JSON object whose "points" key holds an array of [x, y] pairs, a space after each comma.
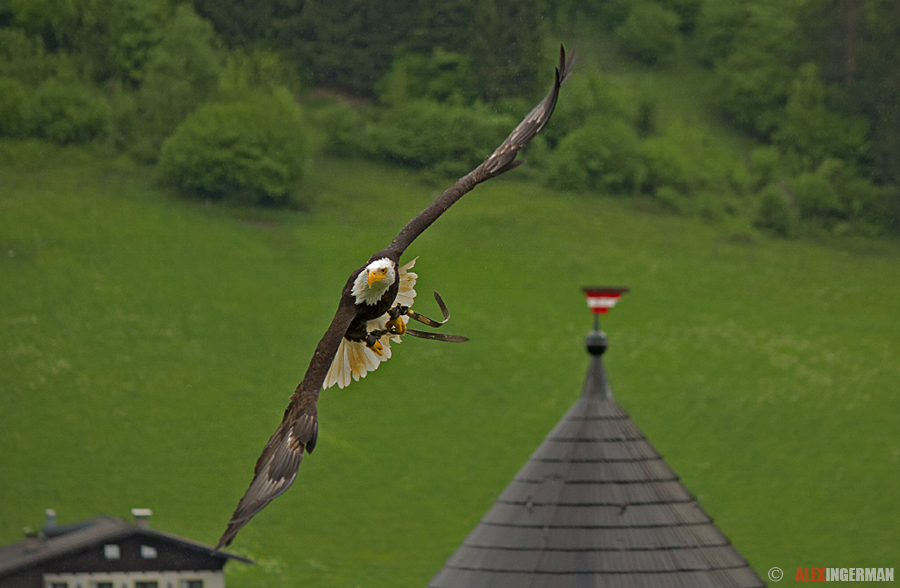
{"points": [[377, 347], [396, 326]]}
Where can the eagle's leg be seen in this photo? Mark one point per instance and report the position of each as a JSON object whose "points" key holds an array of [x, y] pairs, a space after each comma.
{"points": [[395, 324], [373, 343]]}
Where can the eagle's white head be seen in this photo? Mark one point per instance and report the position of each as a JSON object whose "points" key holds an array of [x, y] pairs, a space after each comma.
{"points": [[371, 283]]}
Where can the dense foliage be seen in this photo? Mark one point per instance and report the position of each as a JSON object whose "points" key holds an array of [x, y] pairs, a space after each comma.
{"points": [[799, 76], [249, 151], [812, 87], [650, 33], [350, 45]]}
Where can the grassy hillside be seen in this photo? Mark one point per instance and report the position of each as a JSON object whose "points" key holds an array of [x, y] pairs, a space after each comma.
{"points": [[149, 346]]}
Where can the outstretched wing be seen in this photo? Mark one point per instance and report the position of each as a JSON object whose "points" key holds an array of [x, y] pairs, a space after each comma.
{"points": [[501, 160], [277, 467], [503, 157]]}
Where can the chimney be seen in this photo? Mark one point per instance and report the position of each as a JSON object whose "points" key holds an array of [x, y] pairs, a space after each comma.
{"points": [[50, 523], [141, 517], [32, 540]]}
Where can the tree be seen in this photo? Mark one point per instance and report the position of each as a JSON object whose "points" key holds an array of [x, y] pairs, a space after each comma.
{"points": [[349, 45], [503, 46], [181, 73], [854, 42], [650, 32], [812, 130], [441, 76], [755, 70]]}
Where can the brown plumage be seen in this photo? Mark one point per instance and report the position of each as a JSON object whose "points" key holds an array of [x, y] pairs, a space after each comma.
{"points": [[277, 467]]}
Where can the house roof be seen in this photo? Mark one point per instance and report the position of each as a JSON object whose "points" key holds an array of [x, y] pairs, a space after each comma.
{"points": [[596, 505], [63, 540]]}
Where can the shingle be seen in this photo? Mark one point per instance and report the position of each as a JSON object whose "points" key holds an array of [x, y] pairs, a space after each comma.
{"points": [[597, 493], [601, 471], [528, 561], [584, 450], [622, 539], [596, 505], [595, 430]]}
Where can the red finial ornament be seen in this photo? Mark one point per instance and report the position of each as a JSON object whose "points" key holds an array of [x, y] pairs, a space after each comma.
{"points": [[601, 298]]}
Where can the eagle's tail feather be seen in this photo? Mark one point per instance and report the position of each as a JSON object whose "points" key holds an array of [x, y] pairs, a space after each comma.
{"points": [[354, 360]]}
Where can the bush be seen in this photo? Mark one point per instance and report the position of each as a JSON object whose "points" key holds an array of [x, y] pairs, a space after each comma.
{"points": [[668, 165], [443, 77], [650, 33], [817, 196], [684, 157], [443, 138], [775, 213], [866, 201], [250, 151], [809, 128], [764, 165], [590, 94], [603, 154], [23, 57], [15, 114], [247, 71], [343, 127], [66, 111], [836, 191]]}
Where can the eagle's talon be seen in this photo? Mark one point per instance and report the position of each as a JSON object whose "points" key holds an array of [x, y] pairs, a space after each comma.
{"points": [[377, 347], [396, 326]]}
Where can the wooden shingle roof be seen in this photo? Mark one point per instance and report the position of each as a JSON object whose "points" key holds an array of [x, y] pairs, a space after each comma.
{"points": [[596, 506]]}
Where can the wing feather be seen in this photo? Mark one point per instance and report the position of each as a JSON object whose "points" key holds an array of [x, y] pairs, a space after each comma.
{"points": [[503, 156], [501, 160], [275, 471], [407, 293], [354, 359], [277, 467]]}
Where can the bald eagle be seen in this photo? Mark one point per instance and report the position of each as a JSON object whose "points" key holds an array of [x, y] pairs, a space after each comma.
{"points": [[367, 341], [370, 294]]}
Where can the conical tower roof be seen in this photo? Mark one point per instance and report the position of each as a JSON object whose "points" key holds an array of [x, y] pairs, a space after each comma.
{"points": [[596, 506]]}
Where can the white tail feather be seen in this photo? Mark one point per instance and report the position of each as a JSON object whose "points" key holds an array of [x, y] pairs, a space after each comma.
{"points": [[354, 359]]}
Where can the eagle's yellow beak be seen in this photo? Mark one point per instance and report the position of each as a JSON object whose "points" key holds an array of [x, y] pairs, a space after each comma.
{"points": [[376, 276]]}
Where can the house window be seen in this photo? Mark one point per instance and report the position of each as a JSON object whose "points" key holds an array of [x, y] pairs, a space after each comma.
{"points": [[59, 585], [191, 584], [101, 585], [111, 552], [148, 552], [146, 584]]}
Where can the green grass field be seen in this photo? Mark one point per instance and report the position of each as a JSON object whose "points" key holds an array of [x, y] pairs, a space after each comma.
{"points": [[148, 346]]}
